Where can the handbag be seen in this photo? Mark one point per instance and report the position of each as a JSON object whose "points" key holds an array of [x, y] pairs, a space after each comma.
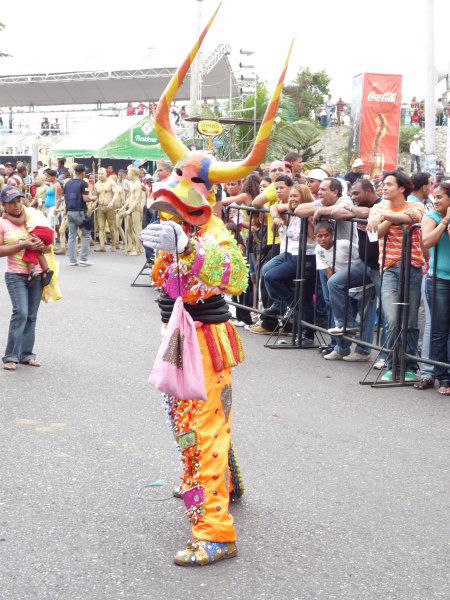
{"points": [[178, 367]]}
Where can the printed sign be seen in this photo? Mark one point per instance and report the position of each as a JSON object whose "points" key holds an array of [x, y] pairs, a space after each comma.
{"points": [[144, 134], [380, 124], [208, 127]]}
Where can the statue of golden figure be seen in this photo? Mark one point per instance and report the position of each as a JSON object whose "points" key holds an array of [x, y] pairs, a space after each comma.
{"points": [[107, 192], [41, 193], [132, 210], [120, 203]]}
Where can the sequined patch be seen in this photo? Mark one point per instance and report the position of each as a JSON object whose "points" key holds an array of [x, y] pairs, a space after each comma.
{"points": [[226, 399], [174, 350], [187, 439], [194, 497]]}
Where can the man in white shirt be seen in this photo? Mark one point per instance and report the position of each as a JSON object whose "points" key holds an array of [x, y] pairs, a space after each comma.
{"points": [[331, 203], [415, 149]]}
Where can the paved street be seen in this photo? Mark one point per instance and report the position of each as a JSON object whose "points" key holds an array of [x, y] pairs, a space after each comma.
{"points": [[347, 487]]}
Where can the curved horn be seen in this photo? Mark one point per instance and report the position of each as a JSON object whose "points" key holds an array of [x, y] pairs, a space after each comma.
{"points": [[221, 172], [174, 148]]}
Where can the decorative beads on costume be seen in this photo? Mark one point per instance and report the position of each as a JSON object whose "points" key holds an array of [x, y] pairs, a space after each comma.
{"points": [[185, 420]]}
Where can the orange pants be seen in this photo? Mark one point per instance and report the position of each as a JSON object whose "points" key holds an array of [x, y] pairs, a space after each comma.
{"points": [[203, 432]]}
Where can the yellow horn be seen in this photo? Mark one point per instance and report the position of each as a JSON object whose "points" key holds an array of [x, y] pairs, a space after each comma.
{"points": [[174, 148], [220, 172]]}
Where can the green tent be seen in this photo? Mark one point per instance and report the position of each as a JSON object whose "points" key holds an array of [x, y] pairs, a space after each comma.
{"points": [[113, 137]]}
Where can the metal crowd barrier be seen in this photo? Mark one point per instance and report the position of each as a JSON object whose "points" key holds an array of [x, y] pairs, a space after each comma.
{"points": [[398, 350]]}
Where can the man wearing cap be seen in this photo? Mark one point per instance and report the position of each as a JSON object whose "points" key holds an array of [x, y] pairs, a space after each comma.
{"points": [[415, 149], [313, 180], [356, 172], [25, 295], [9, 170]]}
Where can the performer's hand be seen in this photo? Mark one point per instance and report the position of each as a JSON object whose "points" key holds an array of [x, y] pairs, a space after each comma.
{"points": [[167, 236]]}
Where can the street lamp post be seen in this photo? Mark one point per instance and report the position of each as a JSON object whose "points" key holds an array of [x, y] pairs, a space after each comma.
{"points": [[430, 102]]}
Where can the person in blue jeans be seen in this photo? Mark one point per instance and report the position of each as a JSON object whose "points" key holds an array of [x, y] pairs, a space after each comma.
{"points": [[435, 236], [279, 272], [391, 219], [25, 295], [363, 197]]}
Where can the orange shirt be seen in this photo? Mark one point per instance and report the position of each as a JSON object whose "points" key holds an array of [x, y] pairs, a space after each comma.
{"points": [[394, 236]]}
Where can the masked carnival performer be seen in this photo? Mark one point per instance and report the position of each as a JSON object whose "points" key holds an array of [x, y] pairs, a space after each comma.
{"points": [[211, 264]]}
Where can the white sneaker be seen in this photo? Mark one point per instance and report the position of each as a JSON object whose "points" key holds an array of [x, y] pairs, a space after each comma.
{"points": [[340, 330], [75, 264], [380, 364], [84, 263], [357, 357], [239, 323], [333, 356], [336, 331]]}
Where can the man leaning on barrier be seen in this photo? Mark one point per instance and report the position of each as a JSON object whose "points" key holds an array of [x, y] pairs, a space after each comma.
{"points": [[387, 218], [364, 197]]}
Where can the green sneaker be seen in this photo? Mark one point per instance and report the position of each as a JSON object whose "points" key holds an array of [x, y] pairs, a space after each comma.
{"points": [[410, 376], [387, 376]]}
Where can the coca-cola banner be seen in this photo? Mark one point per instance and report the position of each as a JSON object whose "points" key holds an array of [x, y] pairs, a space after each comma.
{"points": [[380, 122]]}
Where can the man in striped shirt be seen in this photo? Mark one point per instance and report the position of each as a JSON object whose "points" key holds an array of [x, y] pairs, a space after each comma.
{"points": [[387, 218]]}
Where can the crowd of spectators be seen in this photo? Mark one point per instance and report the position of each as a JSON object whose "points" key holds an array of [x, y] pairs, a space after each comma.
{"points": [[340, 256]]}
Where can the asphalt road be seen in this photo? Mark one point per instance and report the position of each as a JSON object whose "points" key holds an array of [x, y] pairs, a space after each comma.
{"points": [[347, 487]]}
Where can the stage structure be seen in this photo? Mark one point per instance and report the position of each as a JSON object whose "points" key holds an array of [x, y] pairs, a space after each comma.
{"points": [[144, 81]]}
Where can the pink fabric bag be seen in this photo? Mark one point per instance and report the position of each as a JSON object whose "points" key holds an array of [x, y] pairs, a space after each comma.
{"points": [[178, 368]]}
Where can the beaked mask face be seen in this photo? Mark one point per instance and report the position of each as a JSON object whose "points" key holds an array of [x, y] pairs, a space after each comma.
{"points": [[185, 194]]}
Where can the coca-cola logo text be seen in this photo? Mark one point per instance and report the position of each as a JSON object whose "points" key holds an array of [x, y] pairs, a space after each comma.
{"points": [[386, 97]]}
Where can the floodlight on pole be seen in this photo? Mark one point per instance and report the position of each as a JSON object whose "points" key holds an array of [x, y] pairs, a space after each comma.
{"points": [[242, 66], [246, 52]]}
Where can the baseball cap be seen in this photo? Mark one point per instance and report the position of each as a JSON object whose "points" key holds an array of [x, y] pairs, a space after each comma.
{"points": [[10, 193], [9, 164], [357, 163], [318, 174]]}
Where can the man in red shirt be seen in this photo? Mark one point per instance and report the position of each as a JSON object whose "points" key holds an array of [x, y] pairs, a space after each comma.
{"points": [[387, 218]]}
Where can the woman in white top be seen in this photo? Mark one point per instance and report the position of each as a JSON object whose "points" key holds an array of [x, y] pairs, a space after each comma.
{"points": [[279, 273]]}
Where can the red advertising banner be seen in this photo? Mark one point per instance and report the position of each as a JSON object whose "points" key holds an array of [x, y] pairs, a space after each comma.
{"points": [[380, 122]]}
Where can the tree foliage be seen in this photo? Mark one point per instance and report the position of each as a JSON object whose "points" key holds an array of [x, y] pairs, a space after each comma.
{"points": [[407, 133], [288, 133], [307, 90]]}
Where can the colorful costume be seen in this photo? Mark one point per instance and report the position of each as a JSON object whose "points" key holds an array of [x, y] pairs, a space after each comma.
{"points": [[210, 265]]}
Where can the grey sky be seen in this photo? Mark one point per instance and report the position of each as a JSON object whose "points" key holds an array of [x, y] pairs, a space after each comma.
{"points": [[345, 38]]}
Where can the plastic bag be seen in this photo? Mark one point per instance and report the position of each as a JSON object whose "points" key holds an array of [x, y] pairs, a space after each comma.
{"points": [[178, 367]]}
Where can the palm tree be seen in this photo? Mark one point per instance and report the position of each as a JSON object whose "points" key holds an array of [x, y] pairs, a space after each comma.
{"points": [[288, 132]]}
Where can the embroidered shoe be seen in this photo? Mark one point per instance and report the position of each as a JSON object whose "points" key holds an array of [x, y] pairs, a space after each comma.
{"points": [[200, 552]]}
